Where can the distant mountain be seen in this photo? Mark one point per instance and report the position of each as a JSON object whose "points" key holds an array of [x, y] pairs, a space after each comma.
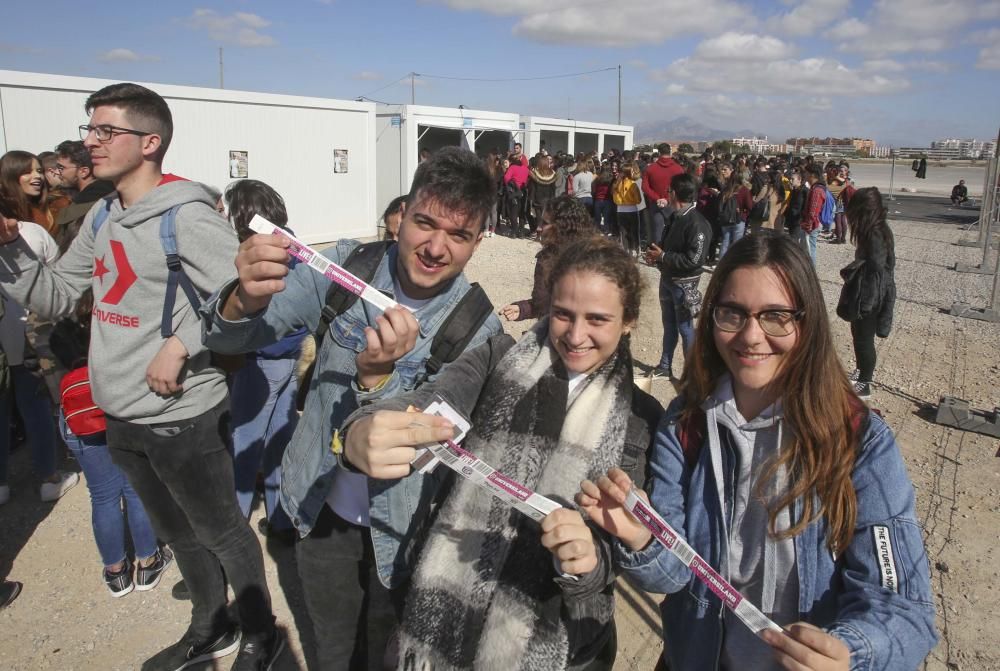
{"points": [[683, 128]]}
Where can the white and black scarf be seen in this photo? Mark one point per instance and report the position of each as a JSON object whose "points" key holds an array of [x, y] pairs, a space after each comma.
{"points": [[483, 594]]}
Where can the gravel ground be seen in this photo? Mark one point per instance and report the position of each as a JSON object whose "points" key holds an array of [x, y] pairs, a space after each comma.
{"points": [[65, 618]]}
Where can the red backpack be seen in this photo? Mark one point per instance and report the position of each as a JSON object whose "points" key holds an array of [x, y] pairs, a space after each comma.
{"points": [[82, 414]]}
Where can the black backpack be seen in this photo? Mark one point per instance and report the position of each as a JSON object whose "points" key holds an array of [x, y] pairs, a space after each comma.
{"points": [[449, 342], [729, 211]]}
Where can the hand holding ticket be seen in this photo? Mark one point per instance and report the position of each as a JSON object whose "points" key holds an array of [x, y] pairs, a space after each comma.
{"points": [[383, 444], [605, 504], [324, 266]]}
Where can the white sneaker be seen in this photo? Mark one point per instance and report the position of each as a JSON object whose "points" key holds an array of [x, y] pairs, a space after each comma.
{"points": [[53, 491], [4, 494]]}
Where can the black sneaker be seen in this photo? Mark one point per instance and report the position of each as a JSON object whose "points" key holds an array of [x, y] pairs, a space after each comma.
{"points": [[119, 583], [855, 375], [148, 577], [863, 390], [190, 651], [259, 652]]}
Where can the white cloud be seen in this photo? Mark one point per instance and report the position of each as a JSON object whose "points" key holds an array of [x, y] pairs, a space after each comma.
{"points": [[882, 65], [937, 67], [675, 89], [124, 56], [902, 26], [848, 29], [240, 29], [808, 16], [367, 76], [743, 46], [625, 23], [989, 55], [781, 76]]}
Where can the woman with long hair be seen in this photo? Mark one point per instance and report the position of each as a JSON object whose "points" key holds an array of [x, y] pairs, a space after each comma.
{"points": [[735, 203], [541, 189], [23, 183], [869, 294], [784, 482], [583, 180], [604, 203], [563, 222], [627, 194], [492, 588], [496, 173]]}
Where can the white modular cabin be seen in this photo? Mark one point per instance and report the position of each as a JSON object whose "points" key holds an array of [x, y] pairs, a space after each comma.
{"points": [[318, 153], [404, 131], [572, 136]]}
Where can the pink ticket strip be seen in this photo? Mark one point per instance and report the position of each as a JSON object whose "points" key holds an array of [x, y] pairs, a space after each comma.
{"points": [[477, 471], [748, 613], [324, 266]]}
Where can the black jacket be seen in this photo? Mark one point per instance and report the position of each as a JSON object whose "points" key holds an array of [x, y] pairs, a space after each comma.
{"points": [[687, 239], [870, 285], [796, 205]]}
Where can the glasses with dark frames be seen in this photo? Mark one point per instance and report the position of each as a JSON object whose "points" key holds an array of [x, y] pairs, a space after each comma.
{"points": [[776, 323], [106, 132]]}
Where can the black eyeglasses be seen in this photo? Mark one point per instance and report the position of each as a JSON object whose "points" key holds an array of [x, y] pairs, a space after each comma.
{"points": [[106, 132], [772, 322]]}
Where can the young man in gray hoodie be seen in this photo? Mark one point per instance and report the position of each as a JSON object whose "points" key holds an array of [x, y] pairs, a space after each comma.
{"points": [[166, 404]]}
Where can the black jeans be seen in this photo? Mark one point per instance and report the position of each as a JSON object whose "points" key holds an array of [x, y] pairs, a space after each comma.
{"points": [[183, 473], [863, 335], [353, 614]]}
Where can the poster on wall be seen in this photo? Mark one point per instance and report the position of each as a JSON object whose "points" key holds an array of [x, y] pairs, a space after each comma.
{"points": [[340, 160], [238, 164]]}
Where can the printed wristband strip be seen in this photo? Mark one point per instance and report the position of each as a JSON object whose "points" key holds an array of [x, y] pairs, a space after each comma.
{"points": [[748, 613], [324, 266], [479, 473]]}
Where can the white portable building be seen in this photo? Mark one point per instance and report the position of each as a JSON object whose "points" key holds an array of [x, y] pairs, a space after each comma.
{"points": [[572, 136], [318, 153], [404, 131]]}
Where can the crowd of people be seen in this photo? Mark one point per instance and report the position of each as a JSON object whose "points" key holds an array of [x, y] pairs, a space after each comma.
{"points": [[178, 391]]}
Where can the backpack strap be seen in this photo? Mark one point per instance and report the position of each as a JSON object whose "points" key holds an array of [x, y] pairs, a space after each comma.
{"points": [[101, 215], [175, 273], [362, 262], [458, 328]]}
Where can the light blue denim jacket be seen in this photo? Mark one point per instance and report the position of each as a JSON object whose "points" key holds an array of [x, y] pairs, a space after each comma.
{"points": [[309, 464], [884, 628]]}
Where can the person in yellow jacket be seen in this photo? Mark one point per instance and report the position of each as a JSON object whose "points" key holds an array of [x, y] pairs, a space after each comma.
{"points": [[627, 196]]}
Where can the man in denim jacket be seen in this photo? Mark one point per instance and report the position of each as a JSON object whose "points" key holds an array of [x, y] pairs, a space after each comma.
{"points": [[355, 530]]}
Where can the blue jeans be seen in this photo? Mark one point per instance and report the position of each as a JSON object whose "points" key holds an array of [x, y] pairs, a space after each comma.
{"points": [[604, 216], [657, 222], [108, 489], [672, 308], [731, 235], [808, 241], [32, 398], [262, 402]]}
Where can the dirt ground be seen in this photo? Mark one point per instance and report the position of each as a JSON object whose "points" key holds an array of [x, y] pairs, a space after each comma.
{"points": [[65, 618]]}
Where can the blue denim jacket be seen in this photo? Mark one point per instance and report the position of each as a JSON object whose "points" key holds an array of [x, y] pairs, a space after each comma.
{"points": [[884, 627], [309, 464]]}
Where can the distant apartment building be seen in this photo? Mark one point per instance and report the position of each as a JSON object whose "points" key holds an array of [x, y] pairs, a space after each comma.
{"points": [[965, 148], [832, 146], [881, 151], [759, 145]]}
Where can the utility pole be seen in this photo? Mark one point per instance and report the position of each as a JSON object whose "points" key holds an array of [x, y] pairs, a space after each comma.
{"points": [[413, 88], [222, 82], [619, 95]]}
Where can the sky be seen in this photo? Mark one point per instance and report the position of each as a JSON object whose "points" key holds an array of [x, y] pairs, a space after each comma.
{"points": [[902, 72]]}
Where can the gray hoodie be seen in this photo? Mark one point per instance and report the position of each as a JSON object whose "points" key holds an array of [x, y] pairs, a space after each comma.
{"points": [[126, 267]]}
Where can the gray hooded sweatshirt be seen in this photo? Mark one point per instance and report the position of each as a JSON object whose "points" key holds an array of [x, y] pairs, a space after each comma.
{"points": [[126, 267]]}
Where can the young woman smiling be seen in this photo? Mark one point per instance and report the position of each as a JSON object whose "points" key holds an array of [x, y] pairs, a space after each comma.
{"points": [[492, 588], [780, 478], [22, 182]]}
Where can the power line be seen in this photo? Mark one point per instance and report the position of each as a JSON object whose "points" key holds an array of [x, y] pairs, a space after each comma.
{"points": [[382, 88], [509, 79]]}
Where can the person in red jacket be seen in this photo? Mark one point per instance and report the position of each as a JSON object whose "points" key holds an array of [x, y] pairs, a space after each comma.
{"points": [[808, 234], [656, 189]]}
